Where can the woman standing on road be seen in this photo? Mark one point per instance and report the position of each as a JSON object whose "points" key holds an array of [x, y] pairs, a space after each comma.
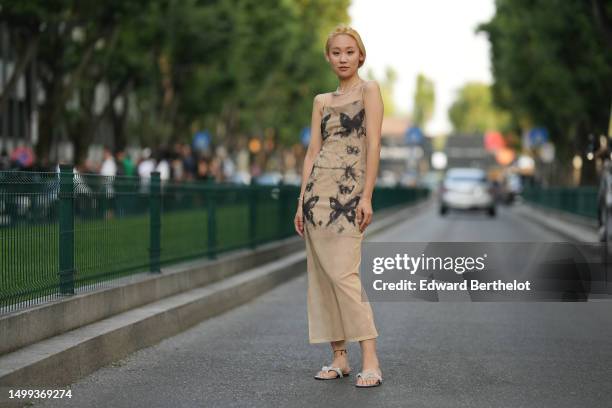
{"points": [[335, 207]]}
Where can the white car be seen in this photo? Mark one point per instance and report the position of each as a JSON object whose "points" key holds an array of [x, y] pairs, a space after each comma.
{"points": [[466, 188]]}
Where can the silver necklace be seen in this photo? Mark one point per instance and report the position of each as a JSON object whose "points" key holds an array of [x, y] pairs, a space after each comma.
{"points": [[338, 92]]}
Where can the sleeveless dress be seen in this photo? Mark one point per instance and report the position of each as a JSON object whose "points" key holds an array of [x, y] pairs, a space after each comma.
{"points": [[336, 310]]}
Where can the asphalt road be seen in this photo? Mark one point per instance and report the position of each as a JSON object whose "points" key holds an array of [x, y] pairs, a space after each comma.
{"points": [[432, 354]]}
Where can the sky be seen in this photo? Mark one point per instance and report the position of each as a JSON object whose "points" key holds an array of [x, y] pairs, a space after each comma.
{"points": [[434, 37]]}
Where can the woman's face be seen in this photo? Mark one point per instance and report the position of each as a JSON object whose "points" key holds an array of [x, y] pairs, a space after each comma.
{"points": [[344, 55]]}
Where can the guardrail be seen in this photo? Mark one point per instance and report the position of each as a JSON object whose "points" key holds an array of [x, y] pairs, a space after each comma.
{"points": [[64, 232], [575, 200]]}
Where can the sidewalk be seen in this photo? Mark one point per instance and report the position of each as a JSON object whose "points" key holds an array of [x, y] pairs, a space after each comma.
{"points": [[573, 227]]}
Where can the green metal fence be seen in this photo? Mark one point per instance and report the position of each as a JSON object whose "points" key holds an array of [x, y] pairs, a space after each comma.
{"points": [[576, 200], [62, 233]]}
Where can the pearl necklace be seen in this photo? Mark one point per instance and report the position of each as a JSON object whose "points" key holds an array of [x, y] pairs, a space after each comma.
{"points": [[338, 92]]}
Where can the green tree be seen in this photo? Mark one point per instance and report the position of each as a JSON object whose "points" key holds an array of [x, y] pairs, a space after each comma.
{"points": [[71, 42], [424, 99], [474, 112], [387, 85], [552, 64], [169, 66]]}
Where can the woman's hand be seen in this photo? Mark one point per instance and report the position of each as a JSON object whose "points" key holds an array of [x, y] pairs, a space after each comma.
{"points": [[364, 213], [298, 221]]}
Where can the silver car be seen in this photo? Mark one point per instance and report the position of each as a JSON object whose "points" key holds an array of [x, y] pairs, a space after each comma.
{"points": [[466, 189]]}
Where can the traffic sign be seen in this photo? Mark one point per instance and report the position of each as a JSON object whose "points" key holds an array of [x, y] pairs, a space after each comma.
{"points": [[538, 136], [413, 135], [201, 140], [305, 136]]}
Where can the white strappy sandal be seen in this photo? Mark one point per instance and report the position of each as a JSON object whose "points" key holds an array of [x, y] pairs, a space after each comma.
{"points": [[366, 375], [331, 368]]}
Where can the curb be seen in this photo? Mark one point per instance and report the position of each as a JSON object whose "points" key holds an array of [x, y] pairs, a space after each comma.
{"points": [[570, 228], [65, 358]]}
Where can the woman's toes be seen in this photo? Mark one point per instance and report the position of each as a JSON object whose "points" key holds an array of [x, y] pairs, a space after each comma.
{"points": [[327, 374]]}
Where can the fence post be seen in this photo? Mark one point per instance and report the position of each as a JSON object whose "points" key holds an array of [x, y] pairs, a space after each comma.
{"points": [[154, 223], [284, 211], [66, 230], [212, 224], [252, 215]]}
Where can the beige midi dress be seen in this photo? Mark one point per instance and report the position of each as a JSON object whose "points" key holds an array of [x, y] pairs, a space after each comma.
{"points": [[336, 310]]}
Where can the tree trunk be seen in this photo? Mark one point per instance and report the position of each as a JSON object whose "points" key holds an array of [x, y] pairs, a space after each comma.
{"points": [[49, 114], [20, 68], [118, 119]]}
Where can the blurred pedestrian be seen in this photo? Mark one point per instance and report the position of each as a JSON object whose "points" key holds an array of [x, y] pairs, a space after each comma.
{"points": [[109, 166], [215, 169], [189, 162], [204, 170], [108, 170], [23, 156], [146, 165], [5, 160], [125, 164], [163, 165], [145, 168]]}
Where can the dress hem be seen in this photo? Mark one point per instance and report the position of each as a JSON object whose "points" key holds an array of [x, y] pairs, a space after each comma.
{"points": [[351, 339]]}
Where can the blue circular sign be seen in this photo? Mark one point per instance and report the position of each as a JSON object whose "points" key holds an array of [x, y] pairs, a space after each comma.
{"points": [[538, 136], [413, 135], [201, 140]]}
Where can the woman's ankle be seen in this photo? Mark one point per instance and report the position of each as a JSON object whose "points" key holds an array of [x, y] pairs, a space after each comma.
{"points": [[370, 361]]}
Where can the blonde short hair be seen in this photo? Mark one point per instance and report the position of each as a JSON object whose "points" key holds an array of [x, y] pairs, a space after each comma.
{"points": [[345, 29]]}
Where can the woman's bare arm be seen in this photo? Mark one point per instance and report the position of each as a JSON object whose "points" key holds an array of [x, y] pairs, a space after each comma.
{"points": [[316, 140]]}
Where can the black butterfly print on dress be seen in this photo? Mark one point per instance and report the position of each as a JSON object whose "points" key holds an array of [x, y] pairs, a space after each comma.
{"points": [[349, 172], [307, 207], [309, 186], [352, 149], [345, 189], [347, 209], [324, 132], [349, 124]]}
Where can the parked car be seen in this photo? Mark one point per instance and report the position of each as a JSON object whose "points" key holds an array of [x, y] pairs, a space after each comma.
{"points": [[466, 188]]}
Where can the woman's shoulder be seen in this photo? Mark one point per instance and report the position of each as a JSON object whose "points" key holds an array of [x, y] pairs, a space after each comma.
{"points": [[320, 100], [371, 85], [322, 97]]}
